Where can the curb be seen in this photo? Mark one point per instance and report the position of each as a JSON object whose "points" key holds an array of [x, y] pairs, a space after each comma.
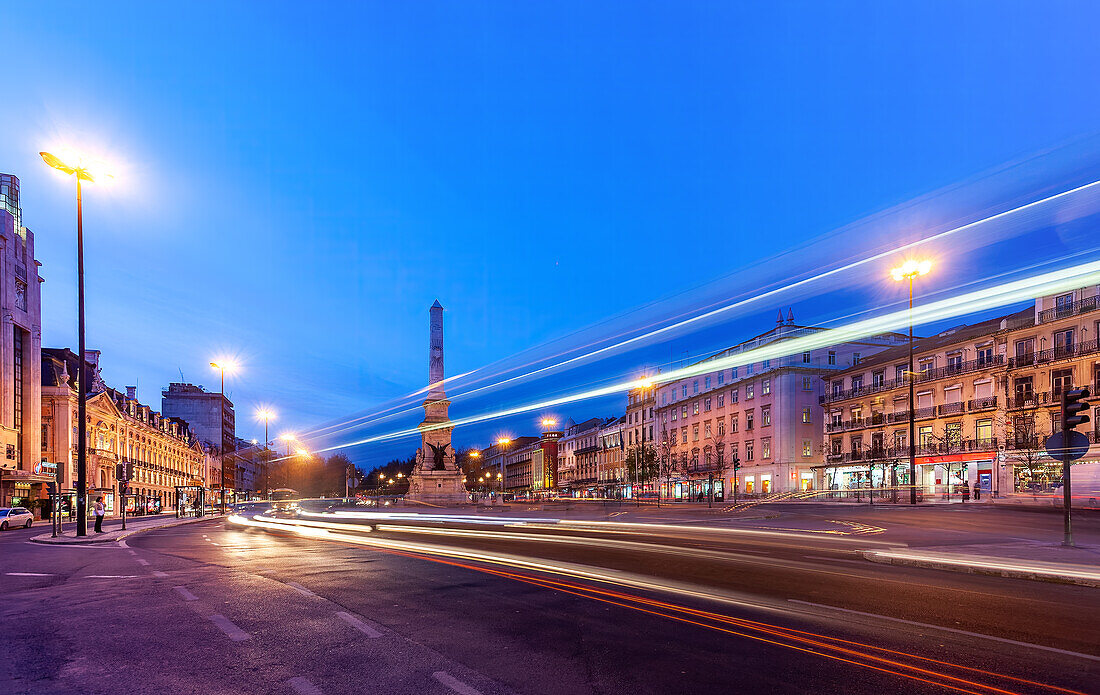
{"points": [[1053, 575], [47, 539]]}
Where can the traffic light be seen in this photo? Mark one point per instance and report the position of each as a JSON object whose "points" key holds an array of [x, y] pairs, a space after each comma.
{"points": [[1073, 407], [736, 463]]}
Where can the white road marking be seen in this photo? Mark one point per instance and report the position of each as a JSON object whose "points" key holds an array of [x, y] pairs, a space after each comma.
{"points": [[122, 543], [455, 684], [27, 574], [302, 686], [142, 561], [232, 631], [160, 575], [300, 589], [187, 595], [1027, 645], [358, 624], [109, 576], [132, 552]]}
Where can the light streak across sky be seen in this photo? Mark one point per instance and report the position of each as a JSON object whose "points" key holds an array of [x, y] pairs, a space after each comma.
{"points": [[1001, 295], [1073, 203]]}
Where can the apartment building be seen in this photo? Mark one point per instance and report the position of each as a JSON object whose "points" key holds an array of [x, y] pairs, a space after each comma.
{"points": [[579, 462], [611, 458], [986, 397], [763, 412]]}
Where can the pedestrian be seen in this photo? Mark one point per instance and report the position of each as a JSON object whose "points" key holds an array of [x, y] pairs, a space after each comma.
{"points": [[966, 492], [977, 491], [100, 510]]}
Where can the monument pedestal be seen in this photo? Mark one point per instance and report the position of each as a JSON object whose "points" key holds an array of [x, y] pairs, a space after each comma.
{"points": [[437, 487]]}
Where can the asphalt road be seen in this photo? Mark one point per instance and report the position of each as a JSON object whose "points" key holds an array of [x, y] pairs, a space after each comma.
{"points": [[447, 607]]}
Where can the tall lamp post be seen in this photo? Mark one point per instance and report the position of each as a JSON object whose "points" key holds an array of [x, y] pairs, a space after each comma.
{"points": [[503, 442], [221, 366], [267, 415], [643, 384], [908, 271], [82, 174]]}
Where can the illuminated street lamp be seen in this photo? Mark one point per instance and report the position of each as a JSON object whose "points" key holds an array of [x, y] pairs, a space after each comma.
{"points": [[908, 271], [266, 415], [82, 174], [222, 365], [503, 442]]}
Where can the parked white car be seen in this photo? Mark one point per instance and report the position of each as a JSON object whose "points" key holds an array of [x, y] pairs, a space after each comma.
{"points": [[11, 517]]}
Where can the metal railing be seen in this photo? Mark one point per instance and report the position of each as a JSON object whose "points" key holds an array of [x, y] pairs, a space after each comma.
{"points": [[1065, 352], [952, 408], [921, 377], [1065, 311], [986, 403]]}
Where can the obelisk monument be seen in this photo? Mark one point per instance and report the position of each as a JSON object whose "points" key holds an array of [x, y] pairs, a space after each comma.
{"points": [[436, 477]]}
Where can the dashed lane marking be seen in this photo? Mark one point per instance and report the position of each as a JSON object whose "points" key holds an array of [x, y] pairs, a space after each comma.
{"points": [[142, 561], [132, 552], [109, 576], [28, 574], [187, 595], [300, 589], [358, 624], [231, 630], [303, 686], [455, 684], [160, 575]]}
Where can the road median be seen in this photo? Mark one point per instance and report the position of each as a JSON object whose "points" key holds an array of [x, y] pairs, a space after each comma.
{"points": [[1036, 562]]}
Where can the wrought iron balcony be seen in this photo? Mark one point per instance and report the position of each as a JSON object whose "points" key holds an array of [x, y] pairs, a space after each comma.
{"points": [[1079, 307], [1065, 352], [987, 403], [952, 408]]}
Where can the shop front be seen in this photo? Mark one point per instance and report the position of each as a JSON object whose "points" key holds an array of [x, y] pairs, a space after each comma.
{"points": [[21, 488], [946, 476]]}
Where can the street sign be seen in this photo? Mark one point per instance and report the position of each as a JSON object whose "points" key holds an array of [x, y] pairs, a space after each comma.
{"points": [[1069, 443]]}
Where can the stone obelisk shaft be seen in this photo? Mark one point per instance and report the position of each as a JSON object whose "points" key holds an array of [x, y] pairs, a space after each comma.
{"points": [[435, 351]]}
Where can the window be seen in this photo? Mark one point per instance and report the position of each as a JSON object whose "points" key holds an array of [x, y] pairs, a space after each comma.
{"points": [[926, 365], [954, 363], [765, 417], [878, 378], [832, 356], [706, 405], [664, 398], [807, 448], [1061, 380], [765, 387], [674, 414], [685, 390], [733, 423], [805, 358], [983, 431], [1025, 349], [985, 355], [857, 445], [749, 451], [857, 383], [733, 373], [684, 435], [721, 378], [900, 439], [1063, 304], [733, 396], [748, 368], [766, 448], [899, 372], [1063, 343], [706, 383], [924, 436], [750, 419], [1023, 389], [836, 446], [954, 432], [806, 419], [748, 391], [695, 432], [721, 427], [684, 412], [838, 386], [695, 386], [855, 358], [695, 408], [767, 363], [721, 400], [706, 429], [807, 383]]}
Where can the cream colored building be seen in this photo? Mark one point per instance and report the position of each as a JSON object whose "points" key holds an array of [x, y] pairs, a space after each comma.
{"points": [[164, 452]]}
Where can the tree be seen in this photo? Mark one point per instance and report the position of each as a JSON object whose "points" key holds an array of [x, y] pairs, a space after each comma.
{"points": [[1026, 438], [641, 463], [715, 448]]}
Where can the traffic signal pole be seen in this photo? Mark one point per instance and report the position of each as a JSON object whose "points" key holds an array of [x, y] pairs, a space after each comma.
{"points": [[1073, 405]]}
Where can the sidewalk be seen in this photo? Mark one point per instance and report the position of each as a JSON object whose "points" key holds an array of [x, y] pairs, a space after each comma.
{"points": [[1044, 562], [69, 537]]}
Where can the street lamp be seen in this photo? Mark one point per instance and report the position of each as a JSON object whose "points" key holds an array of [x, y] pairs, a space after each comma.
{"points": [[266, 415], [643, 384], [909, 270], [222, 365], [503, 442], [82, 174]]}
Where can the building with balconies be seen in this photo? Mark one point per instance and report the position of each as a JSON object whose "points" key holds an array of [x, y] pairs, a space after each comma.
{"points": [[579, 449], [765, 413], [611, 458]]}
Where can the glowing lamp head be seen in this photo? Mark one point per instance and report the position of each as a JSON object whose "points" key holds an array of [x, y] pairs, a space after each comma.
{"points": [[265, 415], [73, 163], [288, 437], [475, 454], [224, 365], [504, 441], [301, 452], [645, 383], [910, 269], [549, 422]]}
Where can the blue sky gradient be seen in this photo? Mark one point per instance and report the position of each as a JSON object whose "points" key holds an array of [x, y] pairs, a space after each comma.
{"points": [[297, 185]]}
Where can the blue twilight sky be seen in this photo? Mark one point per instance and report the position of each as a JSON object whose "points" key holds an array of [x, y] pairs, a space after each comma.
{"points": [[296, 183]]}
